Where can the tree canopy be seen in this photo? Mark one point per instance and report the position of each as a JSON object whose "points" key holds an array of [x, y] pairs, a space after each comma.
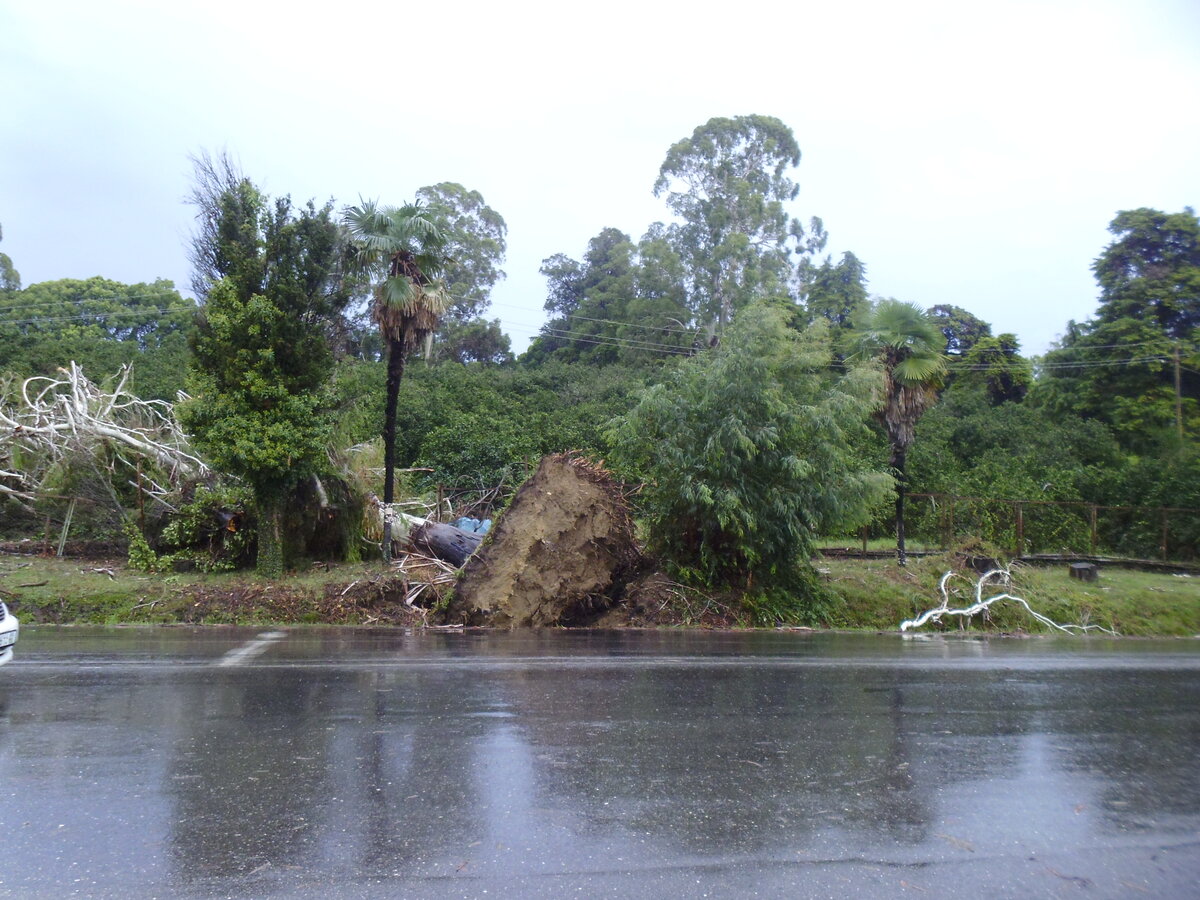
{"points": [[476, 242], [261, 360], [621, 302], [729, 185], [102, 325], [747, 452], [10, 278], [1134, 365]]}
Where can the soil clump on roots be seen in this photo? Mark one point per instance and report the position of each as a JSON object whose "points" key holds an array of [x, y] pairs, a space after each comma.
{"points": [[561, 554]]}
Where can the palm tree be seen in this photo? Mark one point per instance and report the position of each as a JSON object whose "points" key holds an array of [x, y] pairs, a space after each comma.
{"points": [[909, 345], [405, 248]]}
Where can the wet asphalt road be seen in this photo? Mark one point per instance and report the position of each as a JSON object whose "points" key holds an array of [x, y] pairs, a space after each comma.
{"points": [[341, 763]]}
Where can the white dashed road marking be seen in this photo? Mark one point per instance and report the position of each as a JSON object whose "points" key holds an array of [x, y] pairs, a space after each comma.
{"points": [[247, 652]]}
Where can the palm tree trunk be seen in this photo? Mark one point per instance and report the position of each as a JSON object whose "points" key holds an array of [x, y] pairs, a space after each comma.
{"points": [[395, 372], [899, 458]]}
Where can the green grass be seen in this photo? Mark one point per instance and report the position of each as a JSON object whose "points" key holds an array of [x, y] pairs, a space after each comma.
{"points": [[879, 594], [72, 591], [876, 594]]}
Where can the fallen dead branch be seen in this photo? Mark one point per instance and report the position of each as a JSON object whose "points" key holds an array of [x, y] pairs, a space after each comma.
{"points": [[423, 573], [1003, 576], [56, 417]]}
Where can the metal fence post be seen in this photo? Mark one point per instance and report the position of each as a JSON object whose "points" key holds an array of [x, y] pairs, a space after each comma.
{"points": [[1020, 510]]}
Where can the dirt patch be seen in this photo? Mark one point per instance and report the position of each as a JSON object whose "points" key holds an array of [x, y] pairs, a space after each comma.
{"points": [[372, 601], [561, 554], [653, 600]]}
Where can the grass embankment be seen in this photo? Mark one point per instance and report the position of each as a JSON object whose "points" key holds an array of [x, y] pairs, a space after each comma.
{"points": [[74, 591], [878, 595]]}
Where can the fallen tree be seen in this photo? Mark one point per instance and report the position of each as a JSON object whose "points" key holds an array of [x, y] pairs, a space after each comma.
{"points": [[51, 419], [560, 554], [445, 542]]}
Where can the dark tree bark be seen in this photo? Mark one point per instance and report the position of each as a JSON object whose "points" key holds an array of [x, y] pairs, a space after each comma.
{"points": [[899, 456], [270, 562], [395, 372], [446, 542]]}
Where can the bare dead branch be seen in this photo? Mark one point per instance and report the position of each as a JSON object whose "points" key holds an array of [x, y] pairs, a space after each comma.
{"points": [[1003, 576]]}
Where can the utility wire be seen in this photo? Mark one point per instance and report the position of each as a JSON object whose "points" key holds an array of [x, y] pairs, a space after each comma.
{"points": [[565, 333]]}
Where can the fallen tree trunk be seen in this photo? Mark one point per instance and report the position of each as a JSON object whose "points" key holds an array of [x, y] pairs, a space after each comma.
{"points": [[445, 542]]}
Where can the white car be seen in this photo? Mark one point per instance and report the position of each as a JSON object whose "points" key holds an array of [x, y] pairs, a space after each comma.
{"points": [[9, 628]]}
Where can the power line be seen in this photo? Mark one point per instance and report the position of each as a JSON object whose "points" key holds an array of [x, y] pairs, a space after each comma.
{"points": [[565, 333], [613, 340]]}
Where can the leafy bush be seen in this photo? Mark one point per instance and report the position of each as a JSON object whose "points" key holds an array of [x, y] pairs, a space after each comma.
{"points": [[212, 531], [747, 452]]}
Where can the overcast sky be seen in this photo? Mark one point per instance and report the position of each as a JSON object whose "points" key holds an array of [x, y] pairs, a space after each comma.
{"points": [[968, 153]]}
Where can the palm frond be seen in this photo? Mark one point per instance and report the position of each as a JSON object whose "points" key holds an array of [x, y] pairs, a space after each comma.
{"points": [[919, 369], [400, 292]]}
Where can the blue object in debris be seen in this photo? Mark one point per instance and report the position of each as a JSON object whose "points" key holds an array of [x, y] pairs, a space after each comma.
{"points": [[472, 525]]}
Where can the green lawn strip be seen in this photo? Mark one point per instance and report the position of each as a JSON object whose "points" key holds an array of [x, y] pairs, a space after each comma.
{"points": [[66, 591], [878, 594]]}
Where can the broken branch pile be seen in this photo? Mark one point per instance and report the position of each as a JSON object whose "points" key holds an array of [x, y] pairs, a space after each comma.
{"points": [[50, 419]]}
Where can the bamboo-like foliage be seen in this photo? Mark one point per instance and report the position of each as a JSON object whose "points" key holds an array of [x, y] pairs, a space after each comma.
{"points": [[749, 451]]}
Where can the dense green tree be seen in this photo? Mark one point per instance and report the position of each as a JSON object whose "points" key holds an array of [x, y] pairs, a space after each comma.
{"points": [[749, 451], [1134, 366], [621, 303], [1151, 272], [837, 292], [476, 341], [909, 345], [657, 314], [10, 278], [479, 428], [728, 183], [269, 276], [995, 366], [1172, 484], [969, 448], [102, 325], [404, 248], [961, 328], [475, 247], [590, 297]]}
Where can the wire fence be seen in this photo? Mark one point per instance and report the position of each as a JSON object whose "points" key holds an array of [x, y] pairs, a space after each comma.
{"points": [[1026, 527]]}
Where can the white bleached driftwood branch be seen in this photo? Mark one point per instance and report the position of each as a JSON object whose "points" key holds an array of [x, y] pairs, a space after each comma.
{"points": [[53, 417], [980, 605]]}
